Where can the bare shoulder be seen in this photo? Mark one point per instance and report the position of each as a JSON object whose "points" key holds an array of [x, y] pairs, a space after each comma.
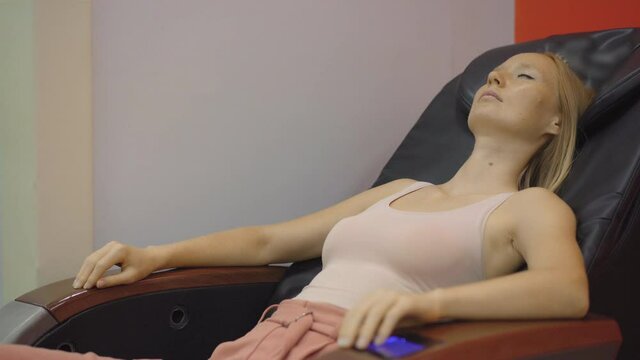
{"points": [[360, 201], [544, 229], [370, 196], [543, 204], [396, 185]]}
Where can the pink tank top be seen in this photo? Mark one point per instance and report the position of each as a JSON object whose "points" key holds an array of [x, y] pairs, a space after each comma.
{"points": [[413, 251]]}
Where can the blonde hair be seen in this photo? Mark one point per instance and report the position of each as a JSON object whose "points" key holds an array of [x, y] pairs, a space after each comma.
{"points": [[550, 165]]}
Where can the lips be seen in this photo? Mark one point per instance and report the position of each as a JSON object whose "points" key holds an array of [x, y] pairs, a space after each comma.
{"points": [[491, 93]]}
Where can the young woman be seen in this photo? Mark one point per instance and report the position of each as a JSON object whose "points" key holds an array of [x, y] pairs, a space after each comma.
{"points": [[411, 252]]}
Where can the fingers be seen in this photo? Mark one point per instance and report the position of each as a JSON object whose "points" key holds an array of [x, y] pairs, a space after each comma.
{"points": [[389, 322], [352, 320], [376, 317], [88, 265], [125, 277], [97, 263], [114, 256], [373, 318], [364, 319]]}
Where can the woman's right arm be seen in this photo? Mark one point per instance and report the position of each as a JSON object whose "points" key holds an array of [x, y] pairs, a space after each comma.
{"points": [[289, 241], [234, 247]]}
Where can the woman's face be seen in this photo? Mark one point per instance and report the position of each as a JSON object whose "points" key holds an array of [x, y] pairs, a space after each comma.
{"points": [[527, 99]]}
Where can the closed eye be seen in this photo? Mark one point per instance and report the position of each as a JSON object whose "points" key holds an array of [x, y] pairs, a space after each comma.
{"points": [[529, 76]]}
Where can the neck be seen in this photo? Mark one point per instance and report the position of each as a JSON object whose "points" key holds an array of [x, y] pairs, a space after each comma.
{"points": [[493, 167]]}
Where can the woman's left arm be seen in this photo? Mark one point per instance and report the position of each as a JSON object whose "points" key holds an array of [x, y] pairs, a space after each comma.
{"points": [[554, 285]]}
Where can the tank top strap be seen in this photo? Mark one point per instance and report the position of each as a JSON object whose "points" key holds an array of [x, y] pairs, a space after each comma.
{"points": [[496, 200], [415, 186], [489, 206], [382, 204], [483, 215]]}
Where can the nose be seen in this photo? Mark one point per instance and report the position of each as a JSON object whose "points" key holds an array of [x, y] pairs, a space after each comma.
{"points": [[494, 78]]}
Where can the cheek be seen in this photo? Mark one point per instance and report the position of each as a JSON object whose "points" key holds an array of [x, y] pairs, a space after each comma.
{"points": [[529, 106], [529, 98]]}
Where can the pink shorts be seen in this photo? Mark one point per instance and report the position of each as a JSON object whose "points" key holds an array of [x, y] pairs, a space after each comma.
{"points": [[298, 329]]}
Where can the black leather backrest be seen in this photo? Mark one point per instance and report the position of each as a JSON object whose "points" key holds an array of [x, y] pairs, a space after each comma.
{"points": [[603, 187], [604, 183], [607, 61]]}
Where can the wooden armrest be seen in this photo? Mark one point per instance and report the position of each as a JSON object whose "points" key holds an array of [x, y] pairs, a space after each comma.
{"points": [[63, 301], [594, 337]]}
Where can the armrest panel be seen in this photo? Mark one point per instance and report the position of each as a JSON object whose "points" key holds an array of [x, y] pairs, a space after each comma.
{"points": [[63, 301], [507, 339]]}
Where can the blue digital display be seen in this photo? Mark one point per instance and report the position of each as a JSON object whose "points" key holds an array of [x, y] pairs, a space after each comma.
{"points": [[395, 346]]}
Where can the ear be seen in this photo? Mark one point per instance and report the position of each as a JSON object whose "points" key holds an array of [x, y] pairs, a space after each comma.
{"points": [[554, 125]]}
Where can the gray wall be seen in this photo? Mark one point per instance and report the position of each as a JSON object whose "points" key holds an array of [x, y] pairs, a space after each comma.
{"points": [[210, 115]]}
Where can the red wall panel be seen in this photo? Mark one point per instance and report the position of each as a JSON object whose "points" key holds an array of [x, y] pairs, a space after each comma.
{"points": [[535, 19]]}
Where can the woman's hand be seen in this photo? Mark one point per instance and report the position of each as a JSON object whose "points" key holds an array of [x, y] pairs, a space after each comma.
{"points": [[379, 313], [136, 264]]}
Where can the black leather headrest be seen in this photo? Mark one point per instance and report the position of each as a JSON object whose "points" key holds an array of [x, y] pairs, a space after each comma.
{"points": [[607, 61]]}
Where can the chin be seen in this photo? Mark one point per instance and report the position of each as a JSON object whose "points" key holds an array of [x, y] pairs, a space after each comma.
{"points": [[480, 121]]}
